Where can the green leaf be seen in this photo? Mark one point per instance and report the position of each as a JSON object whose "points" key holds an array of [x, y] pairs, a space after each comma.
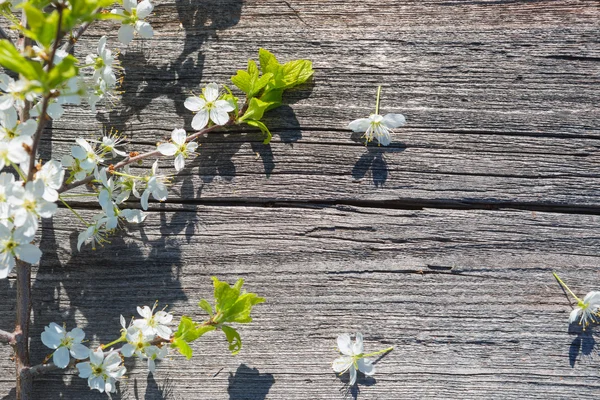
{"points": [[205, 305], [10, 58], [256, 109], [62, 72], [273, 97], [234, 339], [268, 62], [297, 72], [262, 127], [243, 81], [182, 347], [188, 331], [225, 295], [249, 81], [240, 311]]}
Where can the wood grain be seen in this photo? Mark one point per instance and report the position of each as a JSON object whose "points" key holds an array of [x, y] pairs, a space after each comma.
{"points": [[441, 245]]}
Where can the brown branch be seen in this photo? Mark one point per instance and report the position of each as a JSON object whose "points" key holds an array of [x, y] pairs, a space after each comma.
{"points": [[24, 383], [78, 33], [7, 337], [131, 160]]}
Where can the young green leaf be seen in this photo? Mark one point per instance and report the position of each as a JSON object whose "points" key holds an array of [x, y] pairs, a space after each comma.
{"points": [[182, 347], [243, 81], [10, 58], [262, 127], [297, 72], [256, 109], [234, 339], [205, 305]]}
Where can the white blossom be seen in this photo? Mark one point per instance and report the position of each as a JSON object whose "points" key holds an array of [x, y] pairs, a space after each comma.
{"points": [[103, 64], [52, 174], [86, 154], [109, 145], [14, 151], [29, 205], [154, 324], [7, 182], [102, 372], [133, 20], [16, 244], [155, 186], [127, 185], [587, 310], [378, 127], [16, 92], [155, 353], [65, 343], [95, 232], [11, 127], [179, 148], [352, 357], [137, 342], [74, 165], [207, 106]]}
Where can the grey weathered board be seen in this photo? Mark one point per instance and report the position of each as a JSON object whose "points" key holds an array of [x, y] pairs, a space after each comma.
{"points": [[441, 244]]}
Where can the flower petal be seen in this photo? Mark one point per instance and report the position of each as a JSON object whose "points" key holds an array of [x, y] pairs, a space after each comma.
{"points": [[144, 9], [341, 364], [77, 334], [357, 346], [85, 369], [79, 351], [218, 116], [144, 29], [125, 34], [29, 253], [200, 120], [178, 136], [211, 92], [352, 371], [167, 149], [179, 162], [393, 120], [359, 125], [345, 344], [61, 357], [366, 366], [194, 103]]}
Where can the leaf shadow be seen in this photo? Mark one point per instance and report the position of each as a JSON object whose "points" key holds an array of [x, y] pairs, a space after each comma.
{"points": [[249, 384]]}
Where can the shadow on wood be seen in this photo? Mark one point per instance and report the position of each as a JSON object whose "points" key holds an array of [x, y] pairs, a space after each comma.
{"points": [[249, 384], [146, 81]]}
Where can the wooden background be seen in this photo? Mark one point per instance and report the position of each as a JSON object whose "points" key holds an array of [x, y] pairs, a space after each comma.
{"points": [[441, 244]]}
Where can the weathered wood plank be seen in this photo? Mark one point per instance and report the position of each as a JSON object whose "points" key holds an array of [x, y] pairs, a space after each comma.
{"points": [[485, 319], [492, 118], [501, 98]]}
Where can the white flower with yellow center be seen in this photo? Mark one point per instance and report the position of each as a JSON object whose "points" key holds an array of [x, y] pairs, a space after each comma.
{"points": [[179, 148], [65, 343], [208, 106], [102, 372], [353, 358]]}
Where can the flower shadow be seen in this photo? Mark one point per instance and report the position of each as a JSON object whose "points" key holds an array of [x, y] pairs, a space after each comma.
{"points": [[374, 160], [583, 345], [249, 384]]}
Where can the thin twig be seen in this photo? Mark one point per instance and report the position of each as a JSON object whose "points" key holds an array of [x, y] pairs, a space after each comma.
{"points": [[131, 160], [68, 46], [4, 35], [7, 337]]}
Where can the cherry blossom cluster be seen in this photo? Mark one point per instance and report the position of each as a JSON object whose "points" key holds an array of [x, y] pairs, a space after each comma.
{"points": [[146, 338]]}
